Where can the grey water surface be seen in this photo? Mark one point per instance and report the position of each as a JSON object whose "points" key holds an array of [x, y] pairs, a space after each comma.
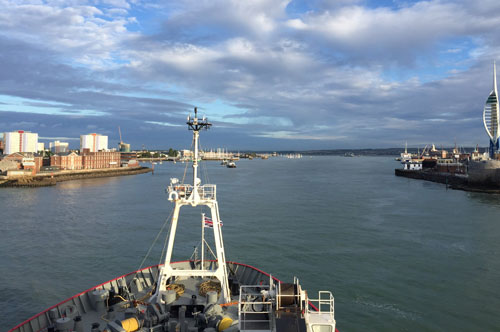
{"points": [[398, 254]]}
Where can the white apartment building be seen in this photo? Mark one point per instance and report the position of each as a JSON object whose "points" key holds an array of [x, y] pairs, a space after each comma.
{"points": [[20, 141], [93, 142]]}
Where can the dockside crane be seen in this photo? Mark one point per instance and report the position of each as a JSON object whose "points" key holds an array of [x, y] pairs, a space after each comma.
{"points": [[120, 132]]}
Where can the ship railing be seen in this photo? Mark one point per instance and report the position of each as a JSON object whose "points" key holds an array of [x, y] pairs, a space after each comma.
{"points": [[255, 308], [324, 304], [206, 191]]}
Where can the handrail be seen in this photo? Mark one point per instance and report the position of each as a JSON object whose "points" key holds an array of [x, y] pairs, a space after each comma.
{"points": [[206, 191], [323, 305], [251, 295]]}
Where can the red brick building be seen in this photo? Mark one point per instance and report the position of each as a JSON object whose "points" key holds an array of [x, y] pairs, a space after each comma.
{"points": [[99, 160], [67, 161], [26, 160], [16, 156], [34, 163], [87, 160]]}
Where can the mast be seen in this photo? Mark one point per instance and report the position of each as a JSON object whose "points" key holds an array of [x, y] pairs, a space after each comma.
{"points": [[196, 125], [194, 194]]}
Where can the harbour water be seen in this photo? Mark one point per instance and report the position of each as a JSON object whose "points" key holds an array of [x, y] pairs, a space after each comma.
{"points": [[398, 254]]}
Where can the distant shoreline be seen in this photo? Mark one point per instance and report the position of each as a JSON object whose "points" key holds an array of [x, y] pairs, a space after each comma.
{"points": [[51, 179]]}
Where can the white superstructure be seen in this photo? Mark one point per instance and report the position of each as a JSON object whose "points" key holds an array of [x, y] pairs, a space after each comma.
{"points": [[405, 156], [20, 141], [94, 142]]}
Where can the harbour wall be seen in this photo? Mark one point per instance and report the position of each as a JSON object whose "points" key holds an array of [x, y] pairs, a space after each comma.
{"points": [[483, 182], [51, 179], [446, 178]]}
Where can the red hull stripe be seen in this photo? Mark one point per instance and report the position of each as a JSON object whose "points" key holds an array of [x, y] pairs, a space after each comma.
{"points": [[125, 275]]}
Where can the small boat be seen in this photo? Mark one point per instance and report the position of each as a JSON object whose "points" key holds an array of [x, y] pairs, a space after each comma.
{"points": [[231, 164], [224, 162]]}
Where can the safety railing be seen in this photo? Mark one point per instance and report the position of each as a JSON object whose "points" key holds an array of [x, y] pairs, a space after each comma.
{"points": [[255, 308], [206, 192], [324, 304]]}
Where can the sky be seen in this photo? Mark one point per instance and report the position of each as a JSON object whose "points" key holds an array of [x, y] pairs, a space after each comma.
{"points": [[269, 74]]}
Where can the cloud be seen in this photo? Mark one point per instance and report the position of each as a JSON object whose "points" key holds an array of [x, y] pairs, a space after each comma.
{"points": [[331, 74], [394, 36]]}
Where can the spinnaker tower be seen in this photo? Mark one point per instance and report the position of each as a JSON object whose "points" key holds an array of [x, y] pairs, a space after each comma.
{"points": [[491, 116]]}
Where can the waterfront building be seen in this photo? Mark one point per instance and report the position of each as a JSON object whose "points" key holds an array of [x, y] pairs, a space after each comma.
{"points": [[11, 162], [219, 154], [491, 116], [94, 142], [20, 141], [16, 157], [32, 162], [100, 160], [8, 165], [187, 153], [59, 147], [450, 165], [124, 147], [128, 159], [67, 161], [22, 160]]}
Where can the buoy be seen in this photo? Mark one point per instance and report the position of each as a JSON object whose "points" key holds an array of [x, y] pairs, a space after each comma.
{"points": [[224, 324], [130, 324]]}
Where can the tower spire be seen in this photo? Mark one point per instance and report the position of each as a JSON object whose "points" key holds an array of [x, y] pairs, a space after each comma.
{"points": [[491, 116], [495, 77]]}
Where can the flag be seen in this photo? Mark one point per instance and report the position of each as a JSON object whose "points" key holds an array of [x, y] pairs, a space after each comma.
{"points": [[208, 223]]}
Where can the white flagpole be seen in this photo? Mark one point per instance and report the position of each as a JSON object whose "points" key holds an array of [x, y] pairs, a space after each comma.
{"points": [[202, 240]]}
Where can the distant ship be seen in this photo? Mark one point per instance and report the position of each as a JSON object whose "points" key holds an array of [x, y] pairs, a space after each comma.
{"points": [[405, 156], [204, 293]]}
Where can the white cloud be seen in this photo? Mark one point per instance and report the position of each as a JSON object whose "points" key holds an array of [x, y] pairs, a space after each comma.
{"points": [[83, 32], [317, 75]]}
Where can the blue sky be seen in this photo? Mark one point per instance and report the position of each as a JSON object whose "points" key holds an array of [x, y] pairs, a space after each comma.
{"points": [[270, 75]]}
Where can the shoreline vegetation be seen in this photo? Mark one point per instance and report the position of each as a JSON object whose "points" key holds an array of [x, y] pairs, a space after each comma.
{"points": [[51, 179]]}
